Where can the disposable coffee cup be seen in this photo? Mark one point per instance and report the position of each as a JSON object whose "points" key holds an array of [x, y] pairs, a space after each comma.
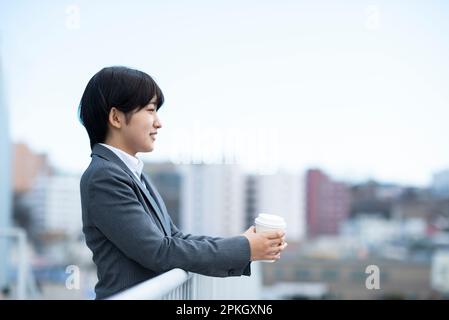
{"points": [[268, 222]]}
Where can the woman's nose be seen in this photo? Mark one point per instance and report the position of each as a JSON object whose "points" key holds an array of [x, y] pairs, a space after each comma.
{"points": [[158, 124]]}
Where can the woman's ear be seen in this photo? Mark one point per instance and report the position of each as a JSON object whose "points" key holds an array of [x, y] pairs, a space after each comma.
{"points": [[116, 118]]}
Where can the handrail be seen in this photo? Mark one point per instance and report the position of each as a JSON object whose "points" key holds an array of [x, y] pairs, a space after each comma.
{"points": [[155, 288], [20, 235], [178, 284]]}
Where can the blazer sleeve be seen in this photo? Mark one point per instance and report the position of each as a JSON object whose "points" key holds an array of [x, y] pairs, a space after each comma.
{"points": [[116, 211], [175, 232]]}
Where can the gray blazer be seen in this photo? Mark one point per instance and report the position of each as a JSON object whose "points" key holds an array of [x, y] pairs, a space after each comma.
{"points": [[133, 238]]}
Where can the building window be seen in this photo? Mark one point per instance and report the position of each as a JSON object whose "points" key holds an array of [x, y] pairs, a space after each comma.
{"points": [[278, 273], [303, 274], [329, 275], [358, 276]]}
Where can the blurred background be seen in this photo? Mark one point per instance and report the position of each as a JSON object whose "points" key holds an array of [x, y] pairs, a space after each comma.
{"points": [[332, 114]]}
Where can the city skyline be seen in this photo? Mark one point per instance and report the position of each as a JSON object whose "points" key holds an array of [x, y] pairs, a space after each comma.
{"points": [[357, 89], [301, 174]]}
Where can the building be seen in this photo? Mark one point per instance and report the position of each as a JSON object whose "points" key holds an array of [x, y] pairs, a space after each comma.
{"points": [[440, 272], [5, 182], [27, 166], [63, 204], [346, 278], [212, 198], [440, 183], [372, 231], [327, 204], [251, 197], [167, 179], [374, 198], [281, 194], [56, 204], [29, 170]]}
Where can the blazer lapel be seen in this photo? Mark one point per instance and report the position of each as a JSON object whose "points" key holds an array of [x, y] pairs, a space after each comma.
{"points": [[107, 154], [158, 199], [155, 206]]}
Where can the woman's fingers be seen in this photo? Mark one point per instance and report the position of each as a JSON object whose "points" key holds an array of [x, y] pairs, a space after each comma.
{"points": [[277, 243], [278, 249]]}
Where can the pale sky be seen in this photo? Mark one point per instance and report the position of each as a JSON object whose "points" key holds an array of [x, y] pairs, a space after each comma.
{"points": [[358, 88]]}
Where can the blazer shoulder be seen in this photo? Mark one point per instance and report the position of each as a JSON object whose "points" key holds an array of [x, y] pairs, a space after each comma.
{"points": [[103, 169]]}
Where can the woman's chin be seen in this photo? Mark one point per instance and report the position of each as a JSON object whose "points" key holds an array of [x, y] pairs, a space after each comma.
{"points": [[149, 148]]}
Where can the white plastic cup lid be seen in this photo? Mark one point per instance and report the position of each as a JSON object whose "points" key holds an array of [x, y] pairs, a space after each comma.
{"points": [[271, 220]]}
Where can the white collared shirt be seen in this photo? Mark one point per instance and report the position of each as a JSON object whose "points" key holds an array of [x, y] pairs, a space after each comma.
{"points": [[133, 163]]}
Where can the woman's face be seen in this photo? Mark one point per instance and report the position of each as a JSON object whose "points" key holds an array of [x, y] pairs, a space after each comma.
{"points": [[140, 132]]}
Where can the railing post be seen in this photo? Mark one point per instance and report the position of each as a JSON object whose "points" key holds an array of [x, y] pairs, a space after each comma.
{"points": [[23, 267]]}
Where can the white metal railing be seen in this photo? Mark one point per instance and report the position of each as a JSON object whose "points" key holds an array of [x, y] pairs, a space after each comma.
{"points": [[25, 278], [178, 284], [174, 284]]}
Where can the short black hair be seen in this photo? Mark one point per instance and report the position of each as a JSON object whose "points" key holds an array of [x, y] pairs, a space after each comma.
{"points": [[121, 87]]}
